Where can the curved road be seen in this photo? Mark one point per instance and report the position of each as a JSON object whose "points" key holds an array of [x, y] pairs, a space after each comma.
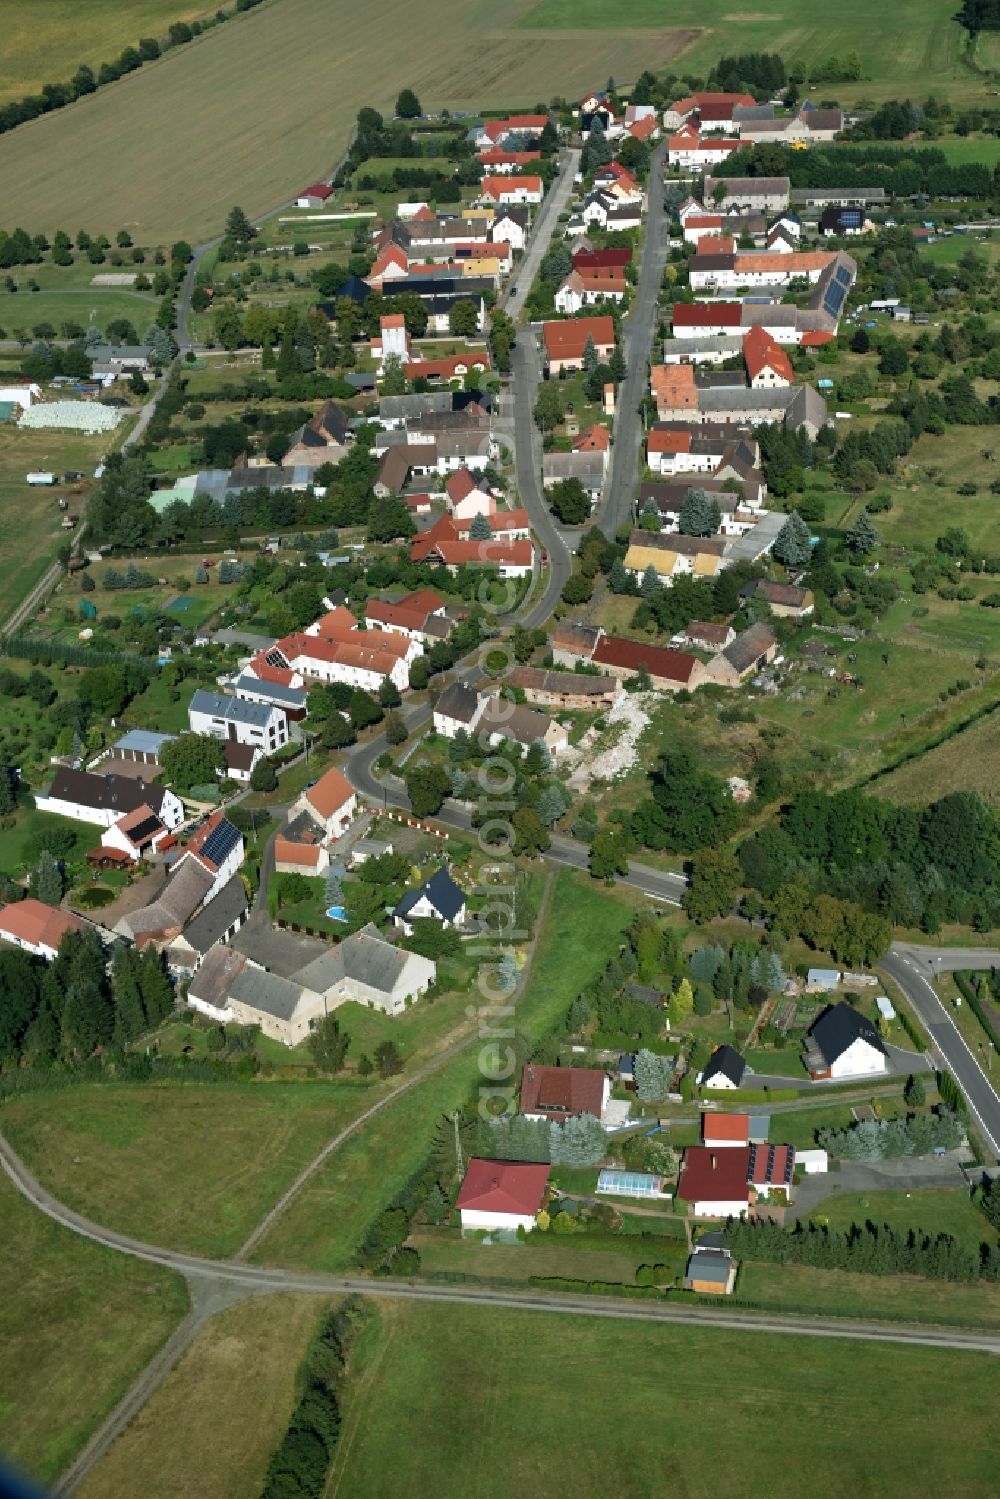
{"points": [[256, 1279]]}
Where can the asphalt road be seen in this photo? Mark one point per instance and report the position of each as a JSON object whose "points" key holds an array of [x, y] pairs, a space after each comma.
{"points": [[259, 1279], [553, 203], [913, 969], [638, 331]]}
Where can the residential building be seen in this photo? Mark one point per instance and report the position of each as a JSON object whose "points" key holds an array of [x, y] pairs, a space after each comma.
{"points": [[725, 1131], [560, 1093], [223, 717], [331, 802], [300, 847], [465, 497], [844, 1043], [444, 543], [458, 709], [501, 1196], [203, 868], [748, 194], [725, 1068], [37, 928], [706, 636], [565, 689], [589, 467], [767, 364], [105, 799], [785, 600], [437, 899], [724, 1182], [501, 719], [220, 920], [410, 616], [572, 642], [565, 343], [512, 191]]}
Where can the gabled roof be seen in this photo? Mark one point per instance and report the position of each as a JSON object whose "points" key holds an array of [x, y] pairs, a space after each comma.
{"points": [[730, 1128], [715, 1175], [727, 1060], [445, 896], [331, 792], [36, 923], [567, 340], [630, 655], [561, 1092], [515, 1187], [457, 702], [749, 646], [116, 793], [231, 709], [839, 1027], [761, 351]]}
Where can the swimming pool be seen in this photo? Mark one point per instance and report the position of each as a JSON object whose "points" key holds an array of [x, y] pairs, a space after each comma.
{"points": [[337, 913]]}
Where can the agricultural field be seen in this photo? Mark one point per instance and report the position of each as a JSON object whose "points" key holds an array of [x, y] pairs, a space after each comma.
{"points": [[48, 44], [247, 1357], [66, 296], [129, 1156], [77, 1323], [221, 119], [969, 761], [914, 50], [520, 1418], [889, 1298]]}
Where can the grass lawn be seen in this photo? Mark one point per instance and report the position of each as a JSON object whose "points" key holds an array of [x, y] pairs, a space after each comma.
{"points": [[22, 311], [130, 1156], [228, 1399], [969, 761], [838, 1293], [327, 1220], [231, 101], [18, 843], [77, 1324], [513, 1264], [524, 1420], [784, 1063], [930, 1210], [799, 1127]]}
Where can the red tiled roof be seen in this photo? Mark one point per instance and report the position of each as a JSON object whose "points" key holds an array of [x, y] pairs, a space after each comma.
{"points": [[707, 314], [644, 128], [288, 852], [36, 923], [718, 1175], [495, 186], [392, 320], [559, 1092], [590, 260], [567, 340], [495, 156], [771, 1165], [815, 337], [459, 484], [761, 351], [631, 655], [667, 442], [317, 190], [703, 221], [596, 439], [725, 1126], [331, 792], [516, 1187]]}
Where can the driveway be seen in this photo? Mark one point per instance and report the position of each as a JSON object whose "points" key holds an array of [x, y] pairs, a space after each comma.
{"points": [[901, 1064], [902, 1174]]}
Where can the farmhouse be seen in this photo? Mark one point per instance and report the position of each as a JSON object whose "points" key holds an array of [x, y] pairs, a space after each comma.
{"points": [[748, 654], [501, 719], [220, 920], [844, 1043], [785, 600], [564, 689], [203, 869], [458, 709], [332, 803], [668, 670], [501, 1195], [748, 194], [105, 799], [563, 1092]]}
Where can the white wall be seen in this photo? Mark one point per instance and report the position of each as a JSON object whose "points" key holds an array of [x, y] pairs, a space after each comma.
{"points": [[477, 1220], [720, 1209], [859, 1059]]}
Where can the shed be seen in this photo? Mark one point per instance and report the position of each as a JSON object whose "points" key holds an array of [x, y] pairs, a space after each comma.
{"points": [[884, 1007], [87, 609]]}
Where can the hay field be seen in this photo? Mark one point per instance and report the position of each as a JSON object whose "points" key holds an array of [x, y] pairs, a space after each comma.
{"points": [[970, 761], [46, 41], [908, 50], [251, 111]]}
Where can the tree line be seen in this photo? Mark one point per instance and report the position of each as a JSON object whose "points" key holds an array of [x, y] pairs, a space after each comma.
{"points": [[865, 1249], [902, 171]]}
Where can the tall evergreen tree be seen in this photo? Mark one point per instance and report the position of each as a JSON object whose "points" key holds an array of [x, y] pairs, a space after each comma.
{"points": [[130, 1012], [650, 584], [46, 882], [862, 537], [792, 545], [155, 987]]}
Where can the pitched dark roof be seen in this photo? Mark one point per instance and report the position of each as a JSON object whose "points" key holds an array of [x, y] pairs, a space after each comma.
{"points": [[839, 1027], [118, 793], [217, 917], [727, 1060], [442, 892]]}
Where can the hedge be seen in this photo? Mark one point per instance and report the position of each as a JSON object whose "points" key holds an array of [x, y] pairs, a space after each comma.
{"points": [[595, 1287], [976, 1006]]}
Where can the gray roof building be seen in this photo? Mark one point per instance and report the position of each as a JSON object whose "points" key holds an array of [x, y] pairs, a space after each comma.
{"points": [[232, 709]]}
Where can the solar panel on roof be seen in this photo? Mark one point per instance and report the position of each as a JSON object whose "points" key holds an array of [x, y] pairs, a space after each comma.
{"points": [[833, 301], [220, 842], [275, 658]]}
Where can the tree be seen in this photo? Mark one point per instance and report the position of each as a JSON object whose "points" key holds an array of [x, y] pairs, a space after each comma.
{"points": [[479, 529], [653, 1074], [328, 1044], [238, 227], [681, 1002], [436, 1205], [408, 105], [608, 855], [699, 514], [893, 360], [650, 585], [548, 407], [393, 380], [792, 545], [263, 777], [388, 1058], [155, 986], [715, 878], [395, 728], [333, 888], [463, 319], [192, 760], [914, 1093], [531, 836], [551, 805], [570, 502], [862, 537], [427, 785], [47, 881], [860, 343]]}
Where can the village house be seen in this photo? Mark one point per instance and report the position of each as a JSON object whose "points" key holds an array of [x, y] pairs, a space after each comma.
{"points": [[466, 497], [501, 719], [675, 555], [722, 1182], [314, 196], [104, 799], [201, 870], [565, 343], [589, 467], [446, 543], [220, 716], [501, 1196], [457, 710], [438, 899], [844, 1043], [325, 438], [331, 802], [785, 600], [711, 1269], [419, 616], [573, 642], [220, 920], [725, 1068], [748, 194], [565, 689], [704, 636], [559, 1093], [511, 191], [37, 928]]}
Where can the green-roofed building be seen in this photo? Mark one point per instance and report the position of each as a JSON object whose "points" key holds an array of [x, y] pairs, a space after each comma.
{"points": [[7, 411], [182, 493]]}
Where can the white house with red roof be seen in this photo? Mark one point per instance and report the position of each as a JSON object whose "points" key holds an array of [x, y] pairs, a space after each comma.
{"points": [[36, 927], [335, 649], [512, 190], [445, 542], [502, 1194], [723, 1181], [465, 497], [332, 803], [217, 847], [391, 264], [393, 341], [596, 439], [689, 149], [768, 366], [410, 616], [498, 162]]}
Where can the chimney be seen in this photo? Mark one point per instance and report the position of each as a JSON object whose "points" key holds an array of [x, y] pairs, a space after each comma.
{"points": [[714, 1160]]}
